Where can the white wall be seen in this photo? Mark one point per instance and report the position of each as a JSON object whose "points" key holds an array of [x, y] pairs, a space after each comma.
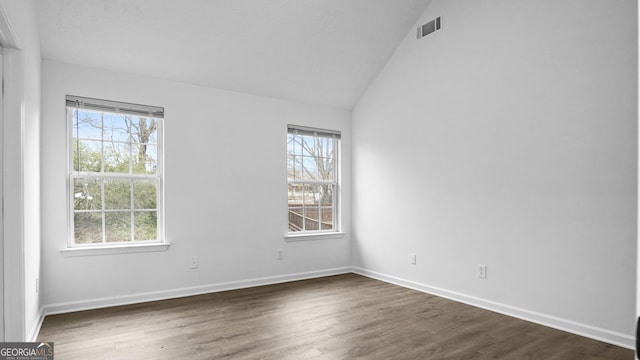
{"points": [[509, 139], [22, 173], [225, 193]]}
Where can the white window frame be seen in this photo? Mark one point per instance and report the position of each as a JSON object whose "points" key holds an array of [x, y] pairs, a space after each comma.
{"points": [[335, 232], [75, 103]]}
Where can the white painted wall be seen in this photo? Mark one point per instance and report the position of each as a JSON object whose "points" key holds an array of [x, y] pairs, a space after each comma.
{"points": [[508, 138], [225, 193], [638, 200], [21, 169]]}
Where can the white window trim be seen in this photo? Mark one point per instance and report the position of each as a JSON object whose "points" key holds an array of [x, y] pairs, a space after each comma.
{"points": [[316, 235], [160, 244], [336, 233], [114, 249]]}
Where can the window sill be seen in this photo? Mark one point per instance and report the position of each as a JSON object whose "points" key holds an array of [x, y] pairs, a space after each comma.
{"points": [[313, 236], [114, 249]]}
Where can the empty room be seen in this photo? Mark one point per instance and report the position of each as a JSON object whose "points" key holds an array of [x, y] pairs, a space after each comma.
{"points": [[319, 179]]}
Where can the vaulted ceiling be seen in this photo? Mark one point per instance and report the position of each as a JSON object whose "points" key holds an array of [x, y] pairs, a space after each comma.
{"points": [[324, 52]]}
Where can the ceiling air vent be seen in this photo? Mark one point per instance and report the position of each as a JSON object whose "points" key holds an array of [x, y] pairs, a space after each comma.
{"points": [[428, 28]]}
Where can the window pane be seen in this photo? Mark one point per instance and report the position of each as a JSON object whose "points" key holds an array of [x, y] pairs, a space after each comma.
{"points": [[309, 168], [87, 194], [145, 194], [117, 226], [294, 167], [87, 125], [117, 194], [145, 158], [326, 216], [146, 225], [116, 127], [325, 195], [295, 195], [311, 218], [294, 144], [87, 228], [311, 194], [144, 130], [291, 167], [324, 147], [87, 155], [116, 157], [309, 145], [114, 143], [295, 218], [325, 168]]}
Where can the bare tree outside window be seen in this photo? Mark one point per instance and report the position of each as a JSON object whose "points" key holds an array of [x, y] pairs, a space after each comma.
{"points": [[115, 178], [312, 180]]}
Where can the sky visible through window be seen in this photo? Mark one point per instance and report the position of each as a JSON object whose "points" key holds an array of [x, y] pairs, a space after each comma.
{"points": [[312, 181], [115, 177]]}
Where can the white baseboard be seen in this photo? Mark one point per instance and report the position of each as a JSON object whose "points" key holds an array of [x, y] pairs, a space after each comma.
{"points": [[32, 335], [68, 307], [609, 336]]}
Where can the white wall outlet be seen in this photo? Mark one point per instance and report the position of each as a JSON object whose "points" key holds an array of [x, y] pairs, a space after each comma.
{"points": [[412, 259], [37, 285], [482, 271], [195, 262], [279, 255]]}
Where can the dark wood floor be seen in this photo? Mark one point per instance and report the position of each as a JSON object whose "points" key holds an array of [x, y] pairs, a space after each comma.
{"points": [[337, 317]]}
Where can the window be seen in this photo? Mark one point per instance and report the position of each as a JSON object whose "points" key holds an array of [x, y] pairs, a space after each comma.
{"points": [[115, 177], [312, 165]]}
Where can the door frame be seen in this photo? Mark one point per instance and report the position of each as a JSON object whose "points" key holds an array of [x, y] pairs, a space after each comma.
{"points": [[12, 296]]}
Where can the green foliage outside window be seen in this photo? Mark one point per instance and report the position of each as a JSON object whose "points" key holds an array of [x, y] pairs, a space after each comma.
{"points": [[115, 177]]}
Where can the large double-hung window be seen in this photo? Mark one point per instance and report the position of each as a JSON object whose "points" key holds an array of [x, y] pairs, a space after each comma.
{"points": [[115, 177], [312, 166]]}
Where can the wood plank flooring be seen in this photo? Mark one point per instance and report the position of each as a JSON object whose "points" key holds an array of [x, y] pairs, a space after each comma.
{"points": [[337, 317]]}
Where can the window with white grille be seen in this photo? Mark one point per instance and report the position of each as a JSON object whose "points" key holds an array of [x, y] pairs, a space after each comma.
{"points": [[312, 166], [115, 172]]}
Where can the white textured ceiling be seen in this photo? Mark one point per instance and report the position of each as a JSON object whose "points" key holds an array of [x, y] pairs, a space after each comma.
{"points": [[314, 51]]}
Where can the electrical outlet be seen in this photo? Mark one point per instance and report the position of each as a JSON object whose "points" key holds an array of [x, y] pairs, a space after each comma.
{"points": [[482, 271], [412, 259], [37, 285], [195, 262], [279, 254]]}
